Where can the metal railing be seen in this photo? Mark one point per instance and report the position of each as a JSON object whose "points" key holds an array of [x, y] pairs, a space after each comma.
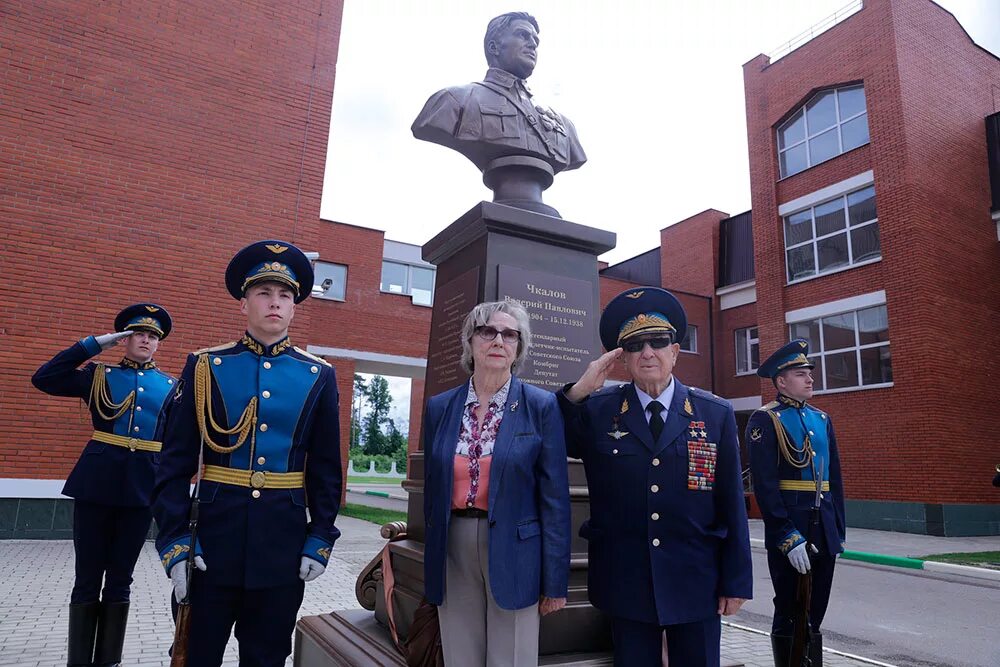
{"points": [[850, 9]]}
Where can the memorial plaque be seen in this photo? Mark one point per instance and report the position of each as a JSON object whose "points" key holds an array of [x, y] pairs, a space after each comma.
{"points": [[452, 302], [562, 323]]}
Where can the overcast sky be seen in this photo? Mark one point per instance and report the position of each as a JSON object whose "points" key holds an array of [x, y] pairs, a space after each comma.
{"points": [[655, 89]]}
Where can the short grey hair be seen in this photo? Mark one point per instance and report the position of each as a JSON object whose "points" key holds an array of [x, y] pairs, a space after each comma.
{"points": [[480, 316], [497, 26]]}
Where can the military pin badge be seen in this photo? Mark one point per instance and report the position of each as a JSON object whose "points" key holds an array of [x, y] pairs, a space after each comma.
{"points": [[756, 434], [687, 406], [618, 434]]}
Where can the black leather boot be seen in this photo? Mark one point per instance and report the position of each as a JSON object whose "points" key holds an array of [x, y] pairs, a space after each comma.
{"points": [[82, 628], [781, 648], [111, 634], [816, 650]]}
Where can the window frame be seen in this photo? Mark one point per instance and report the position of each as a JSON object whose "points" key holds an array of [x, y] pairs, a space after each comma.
{"points": [[814, 240], [819, 356], [323, 296], [692, 339], [807, 135], [408, 286], [750, 341]]}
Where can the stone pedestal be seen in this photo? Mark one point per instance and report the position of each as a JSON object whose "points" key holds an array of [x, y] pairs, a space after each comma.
{"points": [[493, 252]]}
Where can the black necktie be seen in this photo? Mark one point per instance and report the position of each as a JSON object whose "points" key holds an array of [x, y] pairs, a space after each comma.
{"points": [[655, 420]]}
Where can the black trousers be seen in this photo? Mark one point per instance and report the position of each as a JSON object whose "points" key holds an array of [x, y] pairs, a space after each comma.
{"points": [[107, 540], [785, 580], [264, 620], [639, 644]]}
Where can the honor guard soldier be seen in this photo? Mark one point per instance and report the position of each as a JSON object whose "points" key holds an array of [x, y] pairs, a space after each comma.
{"points": [[262, 415], [112, 482], [669, 547], [794, 461]]}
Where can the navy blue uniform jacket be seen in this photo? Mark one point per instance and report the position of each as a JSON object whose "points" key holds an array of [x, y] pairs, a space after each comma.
{"points": [[108, 474], [254, 541], [528, 497], [668, 528]]}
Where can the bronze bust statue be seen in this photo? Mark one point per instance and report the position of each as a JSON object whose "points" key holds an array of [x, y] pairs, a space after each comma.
{"points": [[517, 143]]}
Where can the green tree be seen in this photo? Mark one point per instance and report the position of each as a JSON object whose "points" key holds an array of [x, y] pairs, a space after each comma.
{"points": [[374, 427], [358, 398]]}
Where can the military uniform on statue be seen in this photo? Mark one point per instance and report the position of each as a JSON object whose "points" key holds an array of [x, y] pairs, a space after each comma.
{"points": [[794, 461], [263, 416], [113, 480], [669, 547]]}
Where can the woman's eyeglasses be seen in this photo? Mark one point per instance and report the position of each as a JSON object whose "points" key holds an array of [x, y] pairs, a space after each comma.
{"points": [[510, 336]]}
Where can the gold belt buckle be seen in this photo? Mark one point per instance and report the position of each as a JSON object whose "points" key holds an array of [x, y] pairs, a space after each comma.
{"points": [[132, 444], [257, 480]]}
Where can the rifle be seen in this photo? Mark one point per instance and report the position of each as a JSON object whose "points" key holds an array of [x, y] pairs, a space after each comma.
{"points": [[801, 635], [182, 625]]}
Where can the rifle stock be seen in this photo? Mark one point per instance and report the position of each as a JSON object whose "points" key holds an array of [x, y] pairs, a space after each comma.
{"points": [[182, 632], [800, 635]]}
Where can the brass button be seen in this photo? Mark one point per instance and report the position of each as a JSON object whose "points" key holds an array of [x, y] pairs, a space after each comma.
{"points": [[263, 427], [656, 462], [265, 394], [217, 361], [136, 429], [654, 488], [261, 460], [138, 408], [314, 369], [655, 516], [132, 443], [614, 451], [656, 541], [267, 364], [255, 493]]}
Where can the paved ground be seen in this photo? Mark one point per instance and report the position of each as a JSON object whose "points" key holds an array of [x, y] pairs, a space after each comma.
{"points": [[36, 577]]}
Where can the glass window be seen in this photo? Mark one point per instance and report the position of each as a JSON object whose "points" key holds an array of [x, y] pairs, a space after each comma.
{"points": [[393, 277], [330, 281], [690, 342], [747, 351], [422, 285], [849, 349], [830, 123], [833, 235]]}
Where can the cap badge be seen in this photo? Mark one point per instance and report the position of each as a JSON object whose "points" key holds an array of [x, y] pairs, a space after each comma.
{"points": [[635, 295], [152, 309], [276, 248]]}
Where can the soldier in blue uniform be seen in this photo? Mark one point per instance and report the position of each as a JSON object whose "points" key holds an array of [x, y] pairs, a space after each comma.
{"points": [[113, 480], [669, 548], [792, 448], [263, 416]]}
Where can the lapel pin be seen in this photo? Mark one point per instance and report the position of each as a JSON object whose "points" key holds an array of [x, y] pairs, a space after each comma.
{"points": [[513, 406], [687, 406], [617, 435]]}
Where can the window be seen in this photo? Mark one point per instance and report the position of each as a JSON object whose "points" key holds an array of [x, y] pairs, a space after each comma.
{"points": [[330, 281], [747, 351], [833, 235], [690, 342], [850, 350], [832, 122], [417, 281]]}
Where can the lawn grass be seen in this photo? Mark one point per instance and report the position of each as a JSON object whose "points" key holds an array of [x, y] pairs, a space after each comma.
{"points": [[374, 514], [987, 559], [361, 479]]}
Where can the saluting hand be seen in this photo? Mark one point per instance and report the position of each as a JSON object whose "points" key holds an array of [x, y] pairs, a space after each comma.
{"points": [[109, 340], [594, 377], [548, 605]]}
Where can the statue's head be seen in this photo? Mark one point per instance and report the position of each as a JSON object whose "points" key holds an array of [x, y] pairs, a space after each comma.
{"points": [[511, 43]]}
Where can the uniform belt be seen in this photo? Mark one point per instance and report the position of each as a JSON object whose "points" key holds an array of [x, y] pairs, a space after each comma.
{"points": [[801, 485], [254, 479], [470, 513], [126, 442]]}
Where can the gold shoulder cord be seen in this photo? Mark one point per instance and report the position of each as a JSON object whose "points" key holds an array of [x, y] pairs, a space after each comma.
{"points": [[203, 409], [100, 397], [796, 457]]}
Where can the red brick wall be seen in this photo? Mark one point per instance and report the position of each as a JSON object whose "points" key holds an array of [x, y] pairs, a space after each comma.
{"points": [[689, 253], [727, 383], [928, 90], [142, 145]]}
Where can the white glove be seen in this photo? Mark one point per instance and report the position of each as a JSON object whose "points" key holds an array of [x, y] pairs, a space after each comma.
{"points": [[109, 340], [800, 559], [310, 569], [179, 576]]}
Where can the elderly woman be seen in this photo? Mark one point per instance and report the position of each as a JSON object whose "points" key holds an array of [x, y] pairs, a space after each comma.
{"points": [[496, 499]]}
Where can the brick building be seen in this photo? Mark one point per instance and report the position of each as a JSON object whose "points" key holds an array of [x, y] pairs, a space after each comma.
{"points": [[192, 128]]}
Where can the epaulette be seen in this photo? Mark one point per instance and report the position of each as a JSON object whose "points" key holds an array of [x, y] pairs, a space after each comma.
{"points": [[707, 395], [217, 348], [312, 356], [770, 406]]}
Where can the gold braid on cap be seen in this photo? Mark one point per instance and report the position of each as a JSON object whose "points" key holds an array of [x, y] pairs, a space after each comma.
{"points": [[203, 411], [796, 457], [100, 397]]}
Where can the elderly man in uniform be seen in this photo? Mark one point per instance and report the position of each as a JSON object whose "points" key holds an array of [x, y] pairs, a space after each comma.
{"points": [[113, 480], [669, 547], [792, 451], [263, 417]]}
